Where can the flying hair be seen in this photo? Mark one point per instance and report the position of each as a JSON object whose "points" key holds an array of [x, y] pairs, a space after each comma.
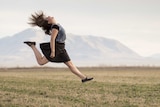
{"points": [[38, 19]]}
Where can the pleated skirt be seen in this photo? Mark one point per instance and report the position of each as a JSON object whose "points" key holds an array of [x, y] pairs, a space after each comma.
{"points": [[61, 54]]}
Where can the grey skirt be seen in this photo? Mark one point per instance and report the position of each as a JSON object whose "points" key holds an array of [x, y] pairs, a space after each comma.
{"points": [[61, 54]]}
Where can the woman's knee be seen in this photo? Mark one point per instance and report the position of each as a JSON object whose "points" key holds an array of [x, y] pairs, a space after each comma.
{"points": [[41, 63]]}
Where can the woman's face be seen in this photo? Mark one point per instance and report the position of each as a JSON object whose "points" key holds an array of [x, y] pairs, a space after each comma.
{"points": [[50, 20]]}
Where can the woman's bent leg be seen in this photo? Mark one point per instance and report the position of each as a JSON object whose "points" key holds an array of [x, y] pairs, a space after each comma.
{"points": [[40, 60]]}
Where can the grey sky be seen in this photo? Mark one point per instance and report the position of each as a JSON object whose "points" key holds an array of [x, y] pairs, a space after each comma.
{"points": [[135, 23]]}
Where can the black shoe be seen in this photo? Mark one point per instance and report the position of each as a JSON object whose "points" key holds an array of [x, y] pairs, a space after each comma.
{"points": [[30, 43], [86, 79]]}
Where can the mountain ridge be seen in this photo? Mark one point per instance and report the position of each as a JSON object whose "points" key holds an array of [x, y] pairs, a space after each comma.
{"points": [[83, 50]]}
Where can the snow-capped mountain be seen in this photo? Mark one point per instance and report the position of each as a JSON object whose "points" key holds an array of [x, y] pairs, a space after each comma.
{"points": [[83, 50]]}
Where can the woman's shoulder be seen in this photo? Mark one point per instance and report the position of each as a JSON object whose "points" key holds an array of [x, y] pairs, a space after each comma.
{"points": [[55, 26]]}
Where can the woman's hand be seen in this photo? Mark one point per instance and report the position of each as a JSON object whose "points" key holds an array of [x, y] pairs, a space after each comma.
{"points": [[52, 54]]}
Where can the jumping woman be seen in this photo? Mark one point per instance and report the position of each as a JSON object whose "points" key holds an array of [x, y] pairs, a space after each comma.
{"points": [[54, 50]]}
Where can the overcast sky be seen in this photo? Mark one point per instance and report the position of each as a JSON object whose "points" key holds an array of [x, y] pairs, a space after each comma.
{"points": [[135, 23]]}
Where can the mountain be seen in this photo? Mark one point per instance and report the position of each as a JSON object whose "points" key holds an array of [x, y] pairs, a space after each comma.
{"points": [[98, 50], [155, 56], [83, 50]]}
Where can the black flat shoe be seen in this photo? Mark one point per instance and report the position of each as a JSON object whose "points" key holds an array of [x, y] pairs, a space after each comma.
{"points": [[86, 79], [30, 43]]}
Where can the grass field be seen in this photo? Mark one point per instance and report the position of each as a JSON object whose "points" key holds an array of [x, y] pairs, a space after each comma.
{"points": [[58, 87]]}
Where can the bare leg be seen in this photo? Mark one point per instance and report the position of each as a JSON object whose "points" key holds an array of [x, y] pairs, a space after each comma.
{"points": [[40, 60], [74, 70]]}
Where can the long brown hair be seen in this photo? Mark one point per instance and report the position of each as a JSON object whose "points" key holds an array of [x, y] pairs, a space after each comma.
{"points": [[38, 19]]}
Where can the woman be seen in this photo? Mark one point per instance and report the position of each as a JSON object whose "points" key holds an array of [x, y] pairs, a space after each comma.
{"points": [[54, 51]]}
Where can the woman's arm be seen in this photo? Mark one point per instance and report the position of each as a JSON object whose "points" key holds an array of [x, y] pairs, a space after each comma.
{"points": [[54, 33]]}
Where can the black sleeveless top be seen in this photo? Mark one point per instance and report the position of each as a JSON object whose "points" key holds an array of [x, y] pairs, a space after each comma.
{"points": [[61, 36]]}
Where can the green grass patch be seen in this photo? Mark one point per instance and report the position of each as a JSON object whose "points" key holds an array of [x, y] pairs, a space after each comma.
{"points": [[47, 87]]}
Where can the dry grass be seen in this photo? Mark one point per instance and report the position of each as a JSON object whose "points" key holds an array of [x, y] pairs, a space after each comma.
{"points": [[55, 87]]}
